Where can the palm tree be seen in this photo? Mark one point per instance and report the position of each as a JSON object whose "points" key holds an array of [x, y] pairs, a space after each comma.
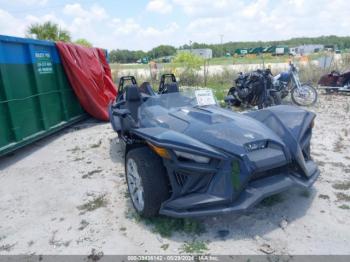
{"points": [[48, 31], [83, 42]]}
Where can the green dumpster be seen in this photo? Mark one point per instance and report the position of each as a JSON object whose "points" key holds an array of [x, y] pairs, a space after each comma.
{"points": [[35, 97]]}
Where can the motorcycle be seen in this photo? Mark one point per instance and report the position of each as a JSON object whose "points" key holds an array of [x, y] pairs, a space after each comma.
{"points": [[288, 82], [336, 82], [253, 89]]}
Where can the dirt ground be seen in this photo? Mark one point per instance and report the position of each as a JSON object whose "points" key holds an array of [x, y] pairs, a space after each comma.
{"points": [[66, 194]]}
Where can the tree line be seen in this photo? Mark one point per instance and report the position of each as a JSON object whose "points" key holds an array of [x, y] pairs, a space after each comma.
{"points": [[230, 47], [129, 56]]}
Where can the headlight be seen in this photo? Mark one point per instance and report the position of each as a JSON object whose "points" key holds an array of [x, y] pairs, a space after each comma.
{"points": [[195, 158], [160, 151]]}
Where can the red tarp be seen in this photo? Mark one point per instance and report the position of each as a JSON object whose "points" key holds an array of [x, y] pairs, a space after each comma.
{"points": [[90, 76]]}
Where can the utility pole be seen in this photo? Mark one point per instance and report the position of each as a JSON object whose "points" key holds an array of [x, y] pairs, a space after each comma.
{"points": [[221, 42], [190, 46]]}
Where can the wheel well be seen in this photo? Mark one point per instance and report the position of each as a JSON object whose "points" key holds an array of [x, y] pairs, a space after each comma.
{"points": [[133, 146]]}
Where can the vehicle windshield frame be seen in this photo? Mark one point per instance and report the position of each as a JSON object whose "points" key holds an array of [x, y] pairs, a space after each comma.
{"points": [[184, 98]]}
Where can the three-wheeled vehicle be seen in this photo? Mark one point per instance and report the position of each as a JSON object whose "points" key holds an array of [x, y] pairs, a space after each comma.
{"points": [[186, 156]]}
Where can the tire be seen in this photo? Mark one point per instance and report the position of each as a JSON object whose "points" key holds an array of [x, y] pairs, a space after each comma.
{"points": [[300, 101], [152, 182]]}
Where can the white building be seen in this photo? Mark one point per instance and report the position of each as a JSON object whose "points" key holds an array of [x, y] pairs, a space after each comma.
{"points": [[305, 49]]}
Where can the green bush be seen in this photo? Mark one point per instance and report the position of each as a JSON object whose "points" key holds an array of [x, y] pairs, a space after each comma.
{"points": [[189, 61]]}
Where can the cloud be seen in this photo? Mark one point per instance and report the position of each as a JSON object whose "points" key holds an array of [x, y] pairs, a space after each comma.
{"points": [[159, 6], [87, 22], [205, 8], [125, 27], [263, 19], [32, 2], [131, 27], [95, 12], [9, 25], [31, 19], [104, 30], [128, 33], [196, 20]]}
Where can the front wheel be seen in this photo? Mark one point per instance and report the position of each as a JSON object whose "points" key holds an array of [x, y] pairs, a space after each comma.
{"points": [[147, 181], [306, 95]]}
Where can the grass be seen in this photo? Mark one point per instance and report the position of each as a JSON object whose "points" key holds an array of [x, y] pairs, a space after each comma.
{"points": [[126, 193], [220, 82], [320, 163], [342, 186], [272, 200], [96, 145], [167, 226], [344, 207], [58, 243], [249, 59], [91, 173], [343, 197], [116, 66], [323, 196], [164, 246], [338, 145], [94, 204], [194, 247], [6, 247], [337, 164], [83, 224], [74, 149], [78, 159]]}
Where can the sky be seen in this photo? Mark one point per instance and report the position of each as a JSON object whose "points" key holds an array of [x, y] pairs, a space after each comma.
{"points": [[144, 24]]}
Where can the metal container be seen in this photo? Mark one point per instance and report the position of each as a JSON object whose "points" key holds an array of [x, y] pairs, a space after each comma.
{"points": [[35, 97]]}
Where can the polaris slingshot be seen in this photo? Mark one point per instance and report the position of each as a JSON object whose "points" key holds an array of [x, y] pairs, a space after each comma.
{"points": [[185, 156]]}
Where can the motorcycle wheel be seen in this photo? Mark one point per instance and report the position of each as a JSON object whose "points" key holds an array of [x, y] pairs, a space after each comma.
{"points": [[305, 97]]}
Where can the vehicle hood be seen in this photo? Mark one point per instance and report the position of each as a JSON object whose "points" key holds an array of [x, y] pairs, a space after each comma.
{"points": [[217, 127]]}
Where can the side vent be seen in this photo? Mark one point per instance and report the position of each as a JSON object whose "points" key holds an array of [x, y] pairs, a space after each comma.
{"points": [[180, 179]]}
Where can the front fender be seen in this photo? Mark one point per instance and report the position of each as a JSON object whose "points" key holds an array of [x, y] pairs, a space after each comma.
{"points": [[171, 139], [292, 125]]}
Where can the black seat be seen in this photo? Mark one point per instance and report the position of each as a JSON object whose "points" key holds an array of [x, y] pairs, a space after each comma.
{"points": [[171, 87], [146, 88], [133, 101]]}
